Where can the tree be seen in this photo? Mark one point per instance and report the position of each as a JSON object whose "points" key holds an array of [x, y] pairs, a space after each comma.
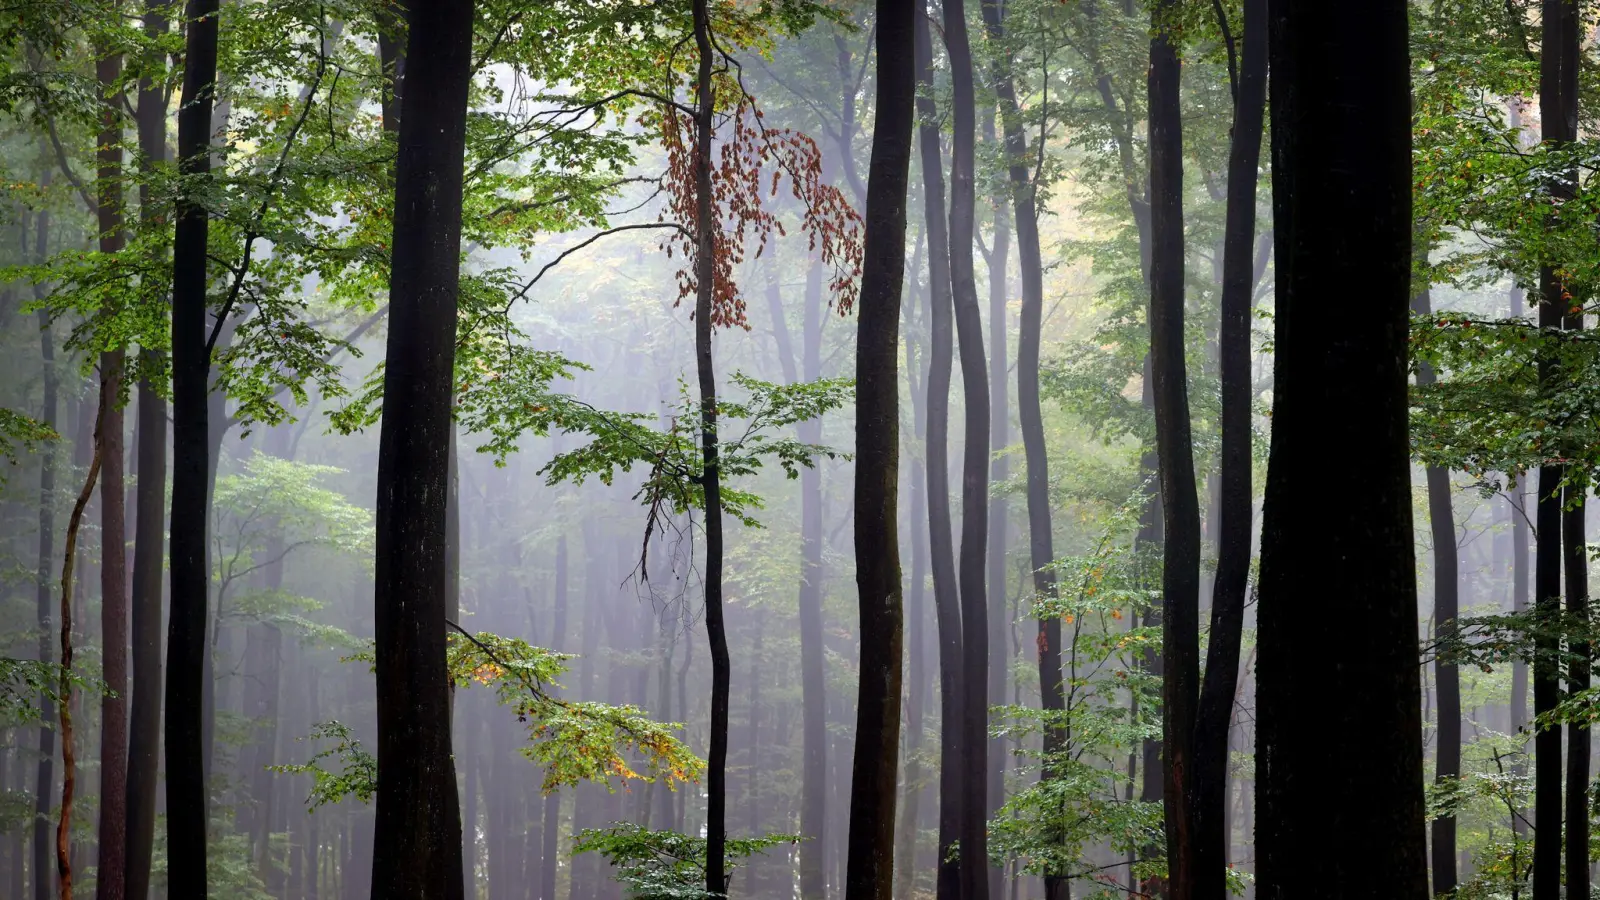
{"points": [[974, 717], [1180, 504], [1341, 168], [112, 832], [1214, 715], [870, 868], [144, 714], [192, 340], [417, 844], [946, 591], [1558, 100]]}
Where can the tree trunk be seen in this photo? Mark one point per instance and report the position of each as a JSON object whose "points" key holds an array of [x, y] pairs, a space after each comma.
{"points": [[1558, 100], [1341, 148], [946, 596], [112, 831], [1041, 552], [1446, 608], [144, 718], [44, 784], [1180, 505], [870, 867], [1215, 716], [417, 844], [187, 799], [974, 717], [705, 226], [69, 747], [999, 506]]}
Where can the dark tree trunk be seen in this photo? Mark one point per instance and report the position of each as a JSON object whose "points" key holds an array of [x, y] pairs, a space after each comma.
{"points": [[1041, 552], [705, 226], [1214, 718], [1446, 607], [870, 867], [1341, 164], [974, 716], [946, 594], [43, 784], [110, 882], [144, 718], [417, 844], [1558, 100], [1180, 505], [187, 799]]}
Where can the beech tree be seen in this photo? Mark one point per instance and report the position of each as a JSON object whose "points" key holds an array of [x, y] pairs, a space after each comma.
{"points": [[1341, 170]]}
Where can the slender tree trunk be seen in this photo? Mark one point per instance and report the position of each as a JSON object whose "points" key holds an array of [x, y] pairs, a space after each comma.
{"points": [[144, 718], [999, 472], [705, 226], [1030, 417], [1180, 505], [44, 783], [1215, 715], [112, 832], [870, 867], [69, 758], [1341, 148], [1558, 101], [1446, 607], [974, 721], [417, 844], [946, 594], [187, 800]]}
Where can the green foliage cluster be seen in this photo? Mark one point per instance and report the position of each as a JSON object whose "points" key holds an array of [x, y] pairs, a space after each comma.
{"points": [[666, 865]]}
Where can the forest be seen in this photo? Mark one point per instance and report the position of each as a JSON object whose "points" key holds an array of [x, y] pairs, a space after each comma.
{"points": [[798, 449]]}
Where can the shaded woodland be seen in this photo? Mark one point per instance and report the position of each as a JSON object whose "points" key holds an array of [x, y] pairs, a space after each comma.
{"points": [[798, 449]]}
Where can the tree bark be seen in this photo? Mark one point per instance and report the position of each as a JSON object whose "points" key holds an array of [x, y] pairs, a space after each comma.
{"points": [[999, 506], [1180, 505], [1446, 608], [144, 717], [69, 747], [1341, 148], [869, 871], [112, 832], [946, 593], [705, 226], [1215, 715], [974, 720], [1041, 552], [417, 844], [187, 791], [1558, 102]]}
